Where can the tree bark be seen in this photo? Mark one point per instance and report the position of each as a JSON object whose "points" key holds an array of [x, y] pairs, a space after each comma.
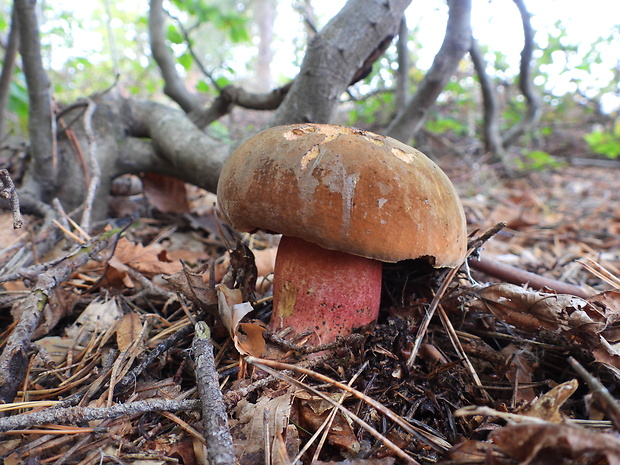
{"points": [[174, 87], [7, 67], [532, 113], [333, 57], [492, 137], [43, 170], [402, 76], [456, 43]]}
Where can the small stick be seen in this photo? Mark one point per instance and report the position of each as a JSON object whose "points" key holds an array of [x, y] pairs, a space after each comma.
{"points": [[220, 449], [75, 415], [8, 192], [600, 393]]}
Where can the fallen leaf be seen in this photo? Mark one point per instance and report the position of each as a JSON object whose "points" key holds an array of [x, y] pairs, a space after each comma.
{"points": [[128, 329], [97, 317], [547, 406], [248, 338], [165, 193], [534, 310], [553, 443], [252, 421]]}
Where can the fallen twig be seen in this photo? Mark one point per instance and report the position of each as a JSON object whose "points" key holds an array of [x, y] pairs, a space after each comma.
{"points": [[14, 358], [8, 192], [518, 276], [220, 449], [73, 415]]}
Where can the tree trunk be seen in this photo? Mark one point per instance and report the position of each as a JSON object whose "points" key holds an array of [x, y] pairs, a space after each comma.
{"points": [[333, 57], [44, 166], [265, 11], [456, 43]]}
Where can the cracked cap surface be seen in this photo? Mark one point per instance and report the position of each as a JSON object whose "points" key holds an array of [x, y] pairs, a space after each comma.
{"points": [[344, 189]]}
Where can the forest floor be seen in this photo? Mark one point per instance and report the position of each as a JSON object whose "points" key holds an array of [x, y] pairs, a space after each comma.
{"points": [[491, 383]]}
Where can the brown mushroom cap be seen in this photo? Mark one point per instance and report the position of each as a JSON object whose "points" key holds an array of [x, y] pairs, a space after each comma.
{"points": [[344, 189]]}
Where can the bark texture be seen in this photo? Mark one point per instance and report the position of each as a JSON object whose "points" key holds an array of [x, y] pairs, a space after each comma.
{"points": [[333, 57], [456, 43], [43, 170], [8, 65], [174, 87]]}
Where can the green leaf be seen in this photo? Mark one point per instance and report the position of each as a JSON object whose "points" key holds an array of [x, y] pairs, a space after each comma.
{"points": [[538, 160], [222, 82], [186, 60], [604, 143], [173, 35], [202, 86]]}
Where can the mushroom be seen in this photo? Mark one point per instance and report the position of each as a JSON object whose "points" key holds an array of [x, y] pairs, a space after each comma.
{"points": [[344, 200]]}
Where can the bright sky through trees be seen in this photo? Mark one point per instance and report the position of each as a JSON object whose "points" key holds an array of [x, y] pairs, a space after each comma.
{"points": [[496, 25]]}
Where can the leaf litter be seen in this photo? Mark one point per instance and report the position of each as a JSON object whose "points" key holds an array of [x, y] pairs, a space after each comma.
{"points": [[490, 383]]}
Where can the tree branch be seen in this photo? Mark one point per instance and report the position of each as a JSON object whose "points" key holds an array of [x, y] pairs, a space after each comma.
{"points": [[525, 81], [334, 56], [456, 43], [492, 137], [174, 87], [7, 67], [39, 112], [402, 76], [233, 95]]}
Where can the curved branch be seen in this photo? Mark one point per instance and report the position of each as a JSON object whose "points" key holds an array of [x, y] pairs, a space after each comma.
{"points": [[233, 95], [492, 137], [7, 67], [334, 56], [456, 43], [174, 87], [39, 96], [525, 81], [402, 76]]}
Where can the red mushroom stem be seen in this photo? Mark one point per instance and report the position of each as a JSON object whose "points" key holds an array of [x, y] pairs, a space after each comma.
{"points": [[326, 292]]}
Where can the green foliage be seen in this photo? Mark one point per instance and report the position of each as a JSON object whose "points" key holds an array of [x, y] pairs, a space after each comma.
{"points": [[605, 143], [442, 125], [538, 160], [174, 35], [368, 110]]}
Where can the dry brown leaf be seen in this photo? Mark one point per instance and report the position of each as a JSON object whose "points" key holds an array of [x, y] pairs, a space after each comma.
{"points": [[550, 443], [313, 411], [128, 329], [149, 260], [97, 317], [165, 193], [252, 421], [194, 288], [519, 372], [547, 407], [248, 338], [533, 310], [55, 347]]}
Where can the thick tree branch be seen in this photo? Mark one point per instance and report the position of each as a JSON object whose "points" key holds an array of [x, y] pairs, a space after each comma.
{"points": [[174, 87], [233, 95], [402, 76], [180, 148], [7, 67], [456, 43], [525, 81], [39, 113], [492, 137], [334, 56]]}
